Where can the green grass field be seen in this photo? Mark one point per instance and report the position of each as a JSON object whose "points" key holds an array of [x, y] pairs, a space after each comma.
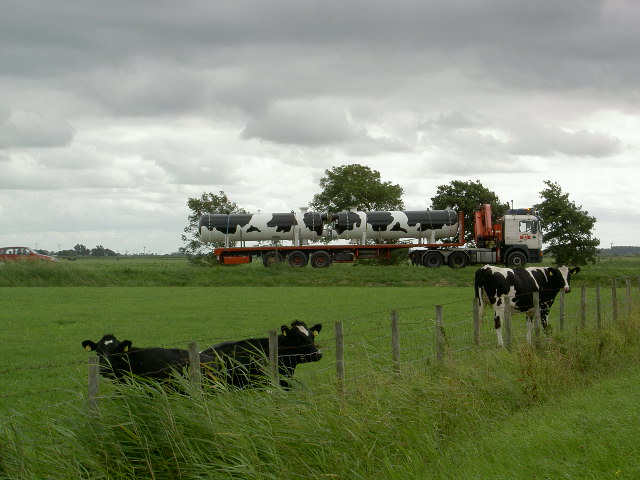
{"points": [[42, 328], [591, 433], [430, 421]]}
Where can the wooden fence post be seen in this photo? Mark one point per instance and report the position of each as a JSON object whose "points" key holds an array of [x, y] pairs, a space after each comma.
{"points": [[439, 334], [598, 308], [94, 384], [273, 355], [627, 282], [507, 320], [395, 340], [536, 319], [476, 322], [194, 366], [583, 307], [614, 300], [340, 357], [562, 305]]}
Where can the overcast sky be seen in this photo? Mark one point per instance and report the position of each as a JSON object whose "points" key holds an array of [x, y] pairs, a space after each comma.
{"points": [[113, 114]]}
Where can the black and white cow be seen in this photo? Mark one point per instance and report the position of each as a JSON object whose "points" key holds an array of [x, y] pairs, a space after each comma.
{"points": [[415, 257], [491, 283], [243, 361], [119, 359]]}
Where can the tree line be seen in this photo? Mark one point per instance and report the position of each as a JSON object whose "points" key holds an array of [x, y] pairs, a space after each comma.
{"points": [[567, 228], [98, 251], [82, 251]]}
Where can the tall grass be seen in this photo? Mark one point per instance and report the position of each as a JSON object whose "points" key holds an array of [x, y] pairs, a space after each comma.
{"points": [[161, 272], [416, 424], [178, 272]]}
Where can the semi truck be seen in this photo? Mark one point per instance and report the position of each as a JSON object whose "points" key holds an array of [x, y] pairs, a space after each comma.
{"points": [[432, 237]]}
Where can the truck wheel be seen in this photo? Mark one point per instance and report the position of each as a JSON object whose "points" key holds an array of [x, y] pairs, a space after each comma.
{"points": [[458, 260], [516, 260], [298, 259], [432, 259], [320, 259], [271, 258]]}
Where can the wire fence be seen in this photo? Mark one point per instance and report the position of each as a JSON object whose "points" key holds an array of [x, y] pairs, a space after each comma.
{"points": [[381, 342]]}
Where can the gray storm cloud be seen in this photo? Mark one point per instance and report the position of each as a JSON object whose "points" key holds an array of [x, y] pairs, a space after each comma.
{"points": [[153, 102]]}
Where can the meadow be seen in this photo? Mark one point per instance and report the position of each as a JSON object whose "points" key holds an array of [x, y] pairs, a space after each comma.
{"points": [[177, 272], [430, 420]]}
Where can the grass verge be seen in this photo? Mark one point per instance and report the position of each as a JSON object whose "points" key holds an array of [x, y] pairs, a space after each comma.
{"points": [[465, 418]]}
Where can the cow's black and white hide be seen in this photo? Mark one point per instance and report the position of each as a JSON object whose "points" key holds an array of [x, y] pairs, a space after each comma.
{"points": [[244, 361], [519, 284], [119, 360]]}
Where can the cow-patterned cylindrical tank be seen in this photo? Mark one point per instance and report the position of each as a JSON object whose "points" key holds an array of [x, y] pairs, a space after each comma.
{"points": [[425, 225], [356, 226], [298, 228]]}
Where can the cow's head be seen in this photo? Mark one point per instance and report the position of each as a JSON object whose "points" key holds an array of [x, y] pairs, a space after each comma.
{"points": [[296, 344], [111, 352], [561, 277]]}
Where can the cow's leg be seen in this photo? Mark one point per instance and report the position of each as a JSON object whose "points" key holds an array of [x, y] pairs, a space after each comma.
{"points": [[480, 308], [544, 311], [497, 321], [529, 328], [481, 301], [497, 318]]}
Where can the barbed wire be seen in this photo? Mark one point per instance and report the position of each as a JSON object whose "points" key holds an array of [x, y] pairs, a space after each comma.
{"points": [[41, 366], [38, 410], [35, 392]]}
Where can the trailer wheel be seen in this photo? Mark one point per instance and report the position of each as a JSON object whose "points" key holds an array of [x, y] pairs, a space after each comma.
{"points": [[516, 259], [297, 259], [271, 258], [320, 259], [458, 260], [432, 259]]}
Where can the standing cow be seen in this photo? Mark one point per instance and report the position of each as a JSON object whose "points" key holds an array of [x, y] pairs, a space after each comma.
{"points": [[491, 283], [119, 359], [244, 361]]}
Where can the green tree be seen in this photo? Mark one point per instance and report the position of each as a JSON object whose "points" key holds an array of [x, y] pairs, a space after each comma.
{"points": [[356, 186], [568, 230], [467, 197], [195, 249], [81, 250], [100, 251]]}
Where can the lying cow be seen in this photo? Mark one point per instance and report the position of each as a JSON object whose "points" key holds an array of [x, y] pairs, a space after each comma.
{"points": [[243, 361], [119, 359], [491, 283]]}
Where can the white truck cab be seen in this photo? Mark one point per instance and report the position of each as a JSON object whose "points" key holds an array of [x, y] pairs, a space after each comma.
{"points": [[522, 237]]}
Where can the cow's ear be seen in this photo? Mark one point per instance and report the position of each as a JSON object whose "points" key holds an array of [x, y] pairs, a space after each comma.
{"points": [[574, 270], [316, 329], [284, 329], [125, 346], [89, 346]]}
